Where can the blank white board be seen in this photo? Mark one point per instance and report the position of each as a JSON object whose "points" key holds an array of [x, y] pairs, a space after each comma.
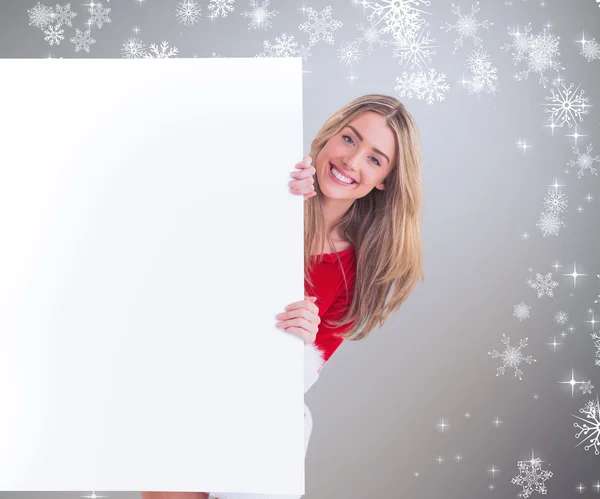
{"points": [[148, 239]]}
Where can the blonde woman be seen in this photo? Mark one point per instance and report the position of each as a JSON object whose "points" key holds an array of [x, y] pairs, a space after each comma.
{"points": [[362, 239]]}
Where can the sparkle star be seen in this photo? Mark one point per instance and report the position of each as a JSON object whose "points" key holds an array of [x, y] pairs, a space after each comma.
{"points": [[593, 321], [493, 470], [497, 422], [574, 274], [571, 382], [554, 344], [442, 425], [575, 135]]}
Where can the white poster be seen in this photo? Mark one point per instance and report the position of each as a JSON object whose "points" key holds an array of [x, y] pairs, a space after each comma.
{"points": [[148, 239]]}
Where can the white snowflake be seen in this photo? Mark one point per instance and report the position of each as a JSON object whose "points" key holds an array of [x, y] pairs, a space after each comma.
{"points": [[40, 15], [543, 284], [221, 7], [566, 105], [531, 477], [561, 317], [260, 15], [596, 338], [98, 15], [349, 53], [590, 49], [586, 387], [590, 426], [284, 46], [555, 201], [54, 35], [320, 25], [64, 15], [550, 223], [539, 51], [415, 50], [134, 48], [512, 356], [483, 75], [585, 161], [162, 52], [188, 12], [466, 26], [304, 52], [521, 311], [402, 17], [424, 85], [82, 40], [371, 36]]}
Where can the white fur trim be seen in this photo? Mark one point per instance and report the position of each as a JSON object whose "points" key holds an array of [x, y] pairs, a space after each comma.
{"points": [[313, 362]]}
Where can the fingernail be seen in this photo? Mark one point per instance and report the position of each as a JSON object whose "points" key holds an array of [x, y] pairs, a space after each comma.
{"points": [[309, 161]]}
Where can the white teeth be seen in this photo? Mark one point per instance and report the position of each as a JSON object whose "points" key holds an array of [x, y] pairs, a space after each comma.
{"points": [[341, 177]]}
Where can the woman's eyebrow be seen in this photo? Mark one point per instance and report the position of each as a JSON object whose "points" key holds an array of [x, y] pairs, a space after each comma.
{"points": [[360, 138]]}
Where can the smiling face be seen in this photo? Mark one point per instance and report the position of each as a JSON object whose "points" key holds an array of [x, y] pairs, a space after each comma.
{"points": [[363, 151]]}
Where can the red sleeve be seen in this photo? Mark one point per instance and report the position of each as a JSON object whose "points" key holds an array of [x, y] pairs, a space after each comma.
{"points": [[325, 339]]}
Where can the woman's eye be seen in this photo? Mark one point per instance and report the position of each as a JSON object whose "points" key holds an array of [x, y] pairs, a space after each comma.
{"points": [[344, 136], [347, 136]]}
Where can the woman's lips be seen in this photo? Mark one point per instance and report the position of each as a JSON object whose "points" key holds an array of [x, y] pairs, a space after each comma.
{"points": [[336, 180]]}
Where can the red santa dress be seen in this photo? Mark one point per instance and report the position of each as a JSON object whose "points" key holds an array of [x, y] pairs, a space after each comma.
{"points": [[332, 302]]}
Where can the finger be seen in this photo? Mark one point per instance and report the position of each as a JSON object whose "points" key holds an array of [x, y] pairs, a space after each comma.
{"points": [[303, 172], [301, 314], [307, 305], [303, 183], [302, 333]]}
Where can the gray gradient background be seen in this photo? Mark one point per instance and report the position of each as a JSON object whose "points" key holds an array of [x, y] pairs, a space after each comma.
{"points": [[378, 401]]}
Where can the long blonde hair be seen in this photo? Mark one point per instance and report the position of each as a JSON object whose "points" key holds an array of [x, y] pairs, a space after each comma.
{"points": [[383, 226]]}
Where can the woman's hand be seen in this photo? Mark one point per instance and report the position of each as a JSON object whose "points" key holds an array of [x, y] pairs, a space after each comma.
{"points": [[304, 179], [301, 318]]}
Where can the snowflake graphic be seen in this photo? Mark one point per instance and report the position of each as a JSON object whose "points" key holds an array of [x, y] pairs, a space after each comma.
{"points": [[511, 356], [590, 49], [98, 15], [284, 46], [531, 477], [539, 51], [521, 311], [371, 36], [221, 7], [188, 12], [586, 387], [596, 338], [483, 77], [585, 161], [402, 17], [550, 223], [162, 52], [415, 49], [466, 26], [82, 40], [64, 15], [349, 53], [590, 425], [54, 35], [260, 15], [304, 52], [425, 85], [320, 25], [566, 105], [40, 15], [555, 201], [133, 48], [543, 284], [561, 317]]}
